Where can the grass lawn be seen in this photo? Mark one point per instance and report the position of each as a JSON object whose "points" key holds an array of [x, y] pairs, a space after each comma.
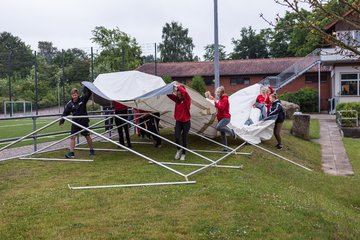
{"points": [[269, 199], [21, 127]]}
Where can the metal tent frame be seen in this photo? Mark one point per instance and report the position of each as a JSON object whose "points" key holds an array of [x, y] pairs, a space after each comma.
{"points": [[212, 163]]}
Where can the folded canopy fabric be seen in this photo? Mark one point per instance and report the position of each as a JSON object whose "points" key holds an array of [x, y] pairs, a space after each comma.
{"points": [[241, 106], [149, 93]]}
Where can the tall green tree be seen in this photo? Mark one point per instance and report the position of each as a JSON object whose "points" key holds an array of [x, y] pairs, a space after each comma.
{"points": [[19, 54], [76, 64], [48, 51], [250, 45], [119, 51], [210, 52], [176, 45]]}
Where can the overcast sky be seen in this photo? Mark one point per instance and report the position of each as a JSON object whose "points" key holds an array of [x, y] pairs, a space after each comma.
{"points": [[68, 23]]}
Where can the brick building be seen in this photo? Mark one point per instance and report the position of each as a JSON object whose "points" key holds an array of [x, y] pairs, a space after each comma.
{"points": [[238, 74]]}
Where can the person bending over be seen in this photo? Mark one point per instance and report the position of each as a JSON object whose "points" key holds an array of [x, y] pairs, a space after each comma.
{"points": [[77, 107], [182, 116]]}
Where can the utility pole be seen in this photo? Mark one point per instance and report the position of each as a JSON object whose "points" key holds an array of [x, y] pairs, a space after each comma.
{"points": [[155, 62], [9, 75], [122, 59], [36, 87], [92, 65], [63, 74], [216, 46]]}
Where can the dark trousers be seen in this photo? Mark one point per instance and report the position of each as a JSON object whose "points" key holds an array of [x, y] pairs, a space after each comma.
{"points": [[145, 125], [181, 132], [153, 127], [125, 127], [277, 131], [108, 123]]}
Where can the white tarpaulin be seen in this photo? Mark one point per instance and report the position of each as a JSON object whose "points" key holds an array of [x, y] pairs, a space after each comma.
{"points": [[127, 85], [241, 109], [148, 93]]}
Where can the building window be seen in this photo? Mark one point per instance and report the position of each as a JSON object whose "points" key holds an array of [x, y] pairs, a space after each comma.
{"points": [[209, 81], [314, 78], [180, 80], [349, 37], [349, 84], [239, 80]]}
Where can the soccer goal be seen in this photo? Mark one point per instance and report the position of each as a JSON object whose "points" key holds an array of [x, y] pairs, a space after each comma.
{"points": [[17, 108]]}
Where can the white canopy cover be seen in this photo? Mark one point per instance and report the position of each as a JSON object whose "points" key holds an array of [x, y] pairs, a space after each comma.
{"points": [[147, 92]]}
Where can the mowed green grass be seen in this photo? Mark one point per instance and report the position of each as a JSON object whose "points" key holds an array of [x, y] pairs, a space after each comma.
{"points": [[21, 127], [269, 199]]}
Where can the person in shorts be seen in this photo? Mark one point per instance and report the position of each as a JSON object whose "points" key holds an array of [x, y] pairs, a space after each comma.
{"points": [[77, 107]]}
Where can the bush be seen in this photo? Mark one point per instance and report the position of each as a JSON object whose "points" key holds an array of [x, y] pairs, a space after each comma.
{"points": [[348, 106], [167, 79], [306, 98], [198, 84]]}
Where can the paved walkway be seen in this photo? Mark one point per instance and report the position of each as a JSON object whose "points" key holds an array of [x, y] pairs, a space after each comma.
{"points": [[12, 153], [334, 158]]}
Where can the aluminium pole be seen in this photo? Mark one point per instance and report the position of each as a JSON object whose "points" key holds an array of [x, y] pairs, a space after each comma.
{"points": [[216, 47]]}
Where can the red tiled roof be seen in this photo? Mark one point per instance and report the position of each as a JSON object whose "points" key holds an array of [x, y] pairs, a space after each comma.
{"points": [[266, 66]]}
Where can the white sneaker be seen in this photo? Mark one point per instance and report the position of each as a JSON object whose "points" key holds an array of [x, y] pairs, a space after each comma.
{"points": [[182, 158], [178, 154]]}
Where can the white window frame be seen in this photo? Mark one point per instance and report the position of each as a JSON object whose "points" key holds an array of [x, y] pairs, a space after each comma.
{"points": [[348, 80]]}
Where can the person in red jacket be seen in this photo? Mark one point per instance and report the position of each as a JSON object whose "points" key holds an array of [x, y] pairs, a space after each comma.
{"points": [[182, 116], [223, 115], [264, 97], [122, 110]]}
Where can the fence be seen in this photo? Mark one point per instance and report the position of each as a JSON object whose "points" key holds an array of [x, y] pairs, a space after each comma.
{"points": [[46, 77], [347, 118]]}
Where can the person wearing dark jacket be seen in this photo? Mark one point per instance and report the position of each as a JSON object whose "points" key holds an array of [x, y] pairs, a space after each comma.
{"points": [[276, 110], [77, 107], [223, 115], [182, 116], [122, 110]]}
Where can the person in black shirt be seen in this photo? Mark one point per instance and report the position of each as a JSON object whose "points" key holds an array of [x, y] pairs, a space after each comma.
{"points": [[277, 111], [77, 107]]}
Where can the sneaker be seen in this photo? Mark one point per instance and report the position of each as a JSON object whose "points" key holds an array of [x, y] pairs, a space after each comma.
{"points": [[182, 158], [158, 146], [225, 149], [178, 154], [92, 152], [70, 155], [279, 146]]}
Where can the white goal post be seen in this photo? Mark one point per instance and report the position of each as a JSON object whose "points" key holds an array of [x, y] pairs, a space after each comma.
{"points": [[18, 107]]}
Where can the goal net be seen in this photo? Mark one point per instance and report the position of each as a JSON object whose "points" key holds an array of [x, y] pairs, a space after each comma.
{"points": [[18, 108]]}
